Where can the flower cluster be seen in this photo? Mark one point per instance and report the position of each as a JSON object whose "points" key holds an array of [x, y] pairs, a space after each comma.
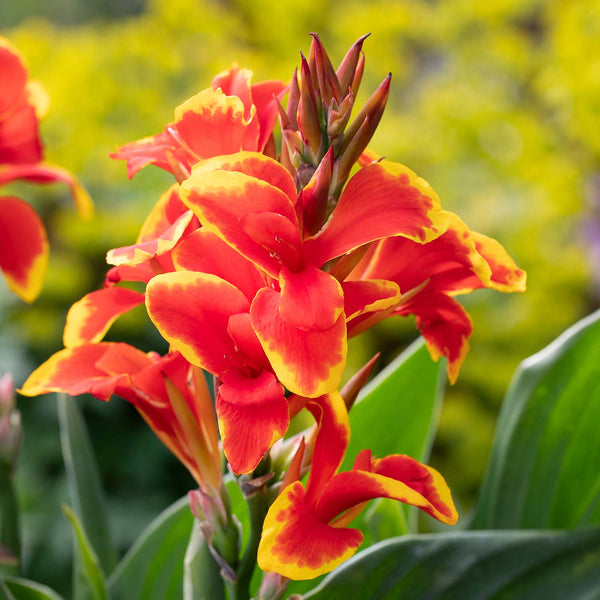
{"points": [[23, 239], [256, 266]]}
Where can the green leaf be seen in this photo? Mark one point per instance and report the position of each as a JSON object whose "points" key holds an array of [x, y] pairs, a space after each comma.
{"points": [[543, 472], [84, 481], [14, 588], [90, 582], [152, 569], [202, 577], [481, 565], [10, 537]]}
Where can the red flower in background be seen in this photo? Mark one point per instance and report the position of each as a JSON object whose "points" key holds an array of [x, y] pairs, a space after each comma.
{"points": [[23, 239]]}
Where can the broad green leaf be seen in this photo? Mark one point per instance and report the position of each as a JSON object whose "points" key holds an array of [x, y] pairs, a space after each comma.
{"points": [[476, 565], [10, 538], [544, 472], [14, 588], [202, 577], [152, 569], [84, 481], [90, 582]]}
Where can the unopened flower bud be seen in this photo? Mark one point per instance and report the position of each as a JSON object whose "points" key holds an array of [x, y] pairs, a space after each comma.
{"points": [[273, 586], [11, 430], [351, 66]]}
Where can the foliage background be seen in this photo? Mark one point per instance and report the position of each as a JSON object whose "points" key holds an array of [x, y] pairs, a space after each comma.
{"points": [[494, 103]]}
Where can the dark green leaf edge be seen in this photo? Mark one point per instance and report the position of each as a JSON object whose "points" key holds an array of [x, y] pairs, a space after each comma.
{"points": [[84, 480], [89, 563], [480, 565], [34, 590]]}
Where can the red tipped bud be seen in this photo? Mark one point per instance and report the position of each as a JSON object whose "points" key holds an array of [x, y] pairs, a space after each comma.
{"points": [[315, 195], [352, 63], [355, 384], [293, 101], [360, 132], [339, 117], [11, 430], [358, 74], [328, 81], [308, 114]]}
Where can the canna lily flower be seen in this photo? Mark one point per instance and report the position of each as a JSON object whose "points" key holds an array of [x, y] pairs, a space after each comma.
{"points": [[24, 243], [249, 200], [204, 313], [170, 394], [305, 533], [230, 116], [429, 275]]}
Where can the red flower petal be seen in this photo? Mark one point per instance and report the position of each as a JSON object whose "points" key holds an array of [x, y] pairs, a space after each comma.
{"points": [[222, 199], [310, 298], [309, 363], [296, 544], [13, 75], [506, 276], [369, 296], [90, 318], [263, 97], [144, 251], [444, 324], [404, 479], [253, 415], [207, 124], [163, 214], [23, 247], [191, 311], [253, 164], [383, 199], [97, 369], [333, 435], [46, 173], [19, 130], [204, 252]]}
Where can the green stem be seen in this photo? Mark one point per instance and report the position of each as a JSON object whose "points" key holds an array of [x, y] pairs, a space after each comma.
{"points": [[9, 521], [257, 508]]}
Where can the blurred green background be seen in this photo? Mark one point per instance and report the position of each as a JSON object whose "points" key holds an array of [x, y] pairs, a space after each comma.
{"points": [[495, 103]]}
